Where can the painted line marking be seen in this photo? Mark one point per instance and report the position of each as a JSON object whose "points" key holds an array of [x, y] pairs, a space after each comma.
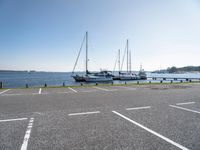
{"points": [[72, 90], [40, 91], [128, 88], [137, 108], [27, 135], [84, 113], [37, 113], [18, 119], [178, 107], [103, 89], [4, 91], [186, 103], [152, 132]]}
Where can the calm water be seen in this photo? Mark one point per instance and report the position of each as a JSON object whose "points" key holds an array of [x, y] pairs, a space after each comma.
{"points": [[20, 79]]}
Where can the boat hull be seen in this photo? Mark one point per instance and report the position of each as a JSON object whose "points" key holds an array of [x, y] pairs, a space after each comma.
{"points": [[78, 78], [98, 79]]}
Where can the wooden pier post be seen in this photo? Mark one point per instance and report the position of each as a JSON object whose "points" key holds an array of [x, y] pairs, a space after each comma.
{"points": [[1, 85]]}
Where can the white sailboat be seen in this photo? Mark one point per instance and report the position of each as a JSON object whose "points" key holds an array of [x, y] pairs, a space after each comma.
{"points": [[102, 76], [127, 75]]}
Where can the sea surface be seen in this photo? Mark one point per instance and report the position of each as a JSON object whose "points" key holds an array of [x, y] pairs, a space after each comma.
{"points": [[34, 79]]}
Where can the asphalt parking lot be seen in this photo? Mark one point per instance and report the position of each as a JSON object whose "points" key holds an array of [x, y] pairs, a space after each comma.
{"points": [[143, 117]]}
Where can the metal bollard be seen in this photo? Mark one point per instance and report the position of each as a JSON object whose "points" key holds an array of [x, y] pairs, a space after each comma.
{"points": [[26, 85], [1, 85], [45, 85]]}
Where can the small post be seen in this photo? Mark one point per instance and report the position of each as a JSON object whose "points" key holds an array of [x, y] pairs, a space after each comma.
{"points": [[1, 85], [187, 79], [112, 83], [161, 81], [63, 83], [81, 84], [45, 85], [96, 83], [150, 82], [190, 80], [138, 82], [181, 81], [125, 83], [171, 81], [26, 85]]}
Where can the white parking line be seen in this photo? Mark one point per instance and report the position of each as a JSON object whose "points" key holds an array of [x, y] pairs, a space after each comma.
{"points": [[128, 88], [194, 111], [4, 91], [152, 132], [186, 103], [137, 108], [103, 89], [27, 135], [40, 91], [18, 119], [84, 113], [72, 90]]}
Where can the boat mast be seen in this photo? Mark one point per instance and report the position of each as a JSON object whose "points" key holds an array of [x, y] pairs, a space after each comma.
{"points": [[86, 65], [127, 55], [130, 62], [119, 60]]}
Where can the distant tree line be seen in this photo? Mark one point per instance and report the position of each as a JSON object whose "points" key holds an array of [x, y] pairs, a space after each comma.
{"points": [[183, 69]]}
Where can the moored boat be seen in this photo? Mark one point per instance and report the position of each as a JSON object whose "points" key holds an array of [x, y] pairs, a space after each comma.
{"points": [[101, 76]]}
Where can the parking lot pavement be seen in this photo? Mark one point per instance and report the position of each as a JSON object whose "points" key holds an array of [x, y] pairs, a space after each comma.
{"points": [[84, 89], [12, 132], [123, 119], [14, 92], [55, 90], [103, 130], [182, 127]]}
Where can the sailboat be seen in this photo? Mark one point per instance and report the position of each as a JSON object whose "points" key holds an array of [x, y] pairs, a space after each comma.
{"points": [[127, 75], [102, 76]]}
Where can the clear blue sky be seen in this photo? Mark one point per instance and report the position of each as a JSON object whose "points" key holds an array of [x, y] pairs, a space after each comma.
{"points": [[46, 34]]}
